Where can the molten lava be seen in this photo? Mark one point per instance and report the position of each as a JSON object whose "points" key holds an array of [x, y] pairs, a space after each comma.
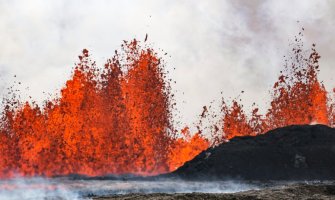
{"points": [[117, 119], [111, 121], [298, 98]]}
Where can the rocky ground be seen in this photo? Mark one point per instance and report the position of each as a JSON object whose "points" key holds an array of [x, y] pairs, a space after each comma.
{"points": [[297, 191]]}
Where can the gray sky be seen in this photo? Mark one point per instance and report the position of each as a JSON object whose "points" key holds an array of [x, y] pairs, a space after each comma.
{"points": [[215, 45]]}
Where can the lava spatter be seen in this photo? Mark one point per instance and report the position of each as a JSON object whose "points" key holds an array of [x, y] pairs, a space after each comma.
{"points": [[114, 120], [118, 119]]}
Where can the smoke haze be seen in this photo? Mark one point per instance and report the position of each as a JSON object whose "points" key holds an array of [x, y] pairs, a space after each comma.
{"points": [[214, 45]]}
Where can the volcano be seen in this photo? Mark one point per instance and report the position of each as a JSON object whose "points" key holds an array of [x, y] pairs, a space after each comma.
{"points": [[297, 152]]}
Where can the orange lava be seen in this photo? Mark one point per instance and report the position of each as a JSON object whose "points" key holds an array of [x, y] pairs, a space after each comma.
{"points": [[298, 97], [117, 119]]}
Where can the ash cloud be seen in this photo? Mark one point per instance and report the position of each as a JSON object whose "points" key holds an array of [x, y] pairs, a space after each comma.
{"points": [[214, 45]]}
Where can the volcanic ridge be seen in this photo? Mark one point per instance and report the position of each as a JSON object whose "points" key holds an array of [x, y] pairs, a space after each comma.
{"points": [[297, 152]]}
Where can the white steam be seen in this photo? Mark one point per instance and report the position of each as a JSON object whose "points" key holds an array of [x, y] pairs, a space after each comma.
{"points": [[35, 188], [63, 188]]}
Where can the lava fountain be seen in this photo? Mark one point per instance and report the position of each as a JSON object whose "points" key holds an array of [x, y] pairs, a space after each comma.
{"points": [[118, 119], [298, 97], [115, 120]]}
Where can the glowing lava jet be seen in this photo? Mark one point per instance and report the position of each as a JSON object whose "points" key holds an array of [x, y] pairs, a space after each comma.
{"points": [[298, 98], [117, 119]]}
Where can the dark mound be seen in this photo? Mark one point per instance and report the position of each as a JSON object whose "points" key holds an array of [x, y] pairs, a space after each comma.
{"points": [[305, 152]]}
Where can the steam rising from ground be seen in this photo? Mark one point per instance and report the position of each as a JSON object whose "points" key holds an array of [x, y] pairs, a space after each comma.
{"points": [[64, 188], [35, 188]]}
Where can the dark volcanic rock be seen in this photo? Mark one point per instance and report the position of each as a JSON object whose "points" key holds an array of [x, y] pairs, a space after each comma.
{"points": [[304, 152]]}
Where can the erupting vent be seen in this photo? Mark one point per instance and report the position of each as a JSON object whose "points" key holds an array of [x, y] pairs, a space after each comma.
{"points": [[298, 97], [117, 120], [114, 121]]}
